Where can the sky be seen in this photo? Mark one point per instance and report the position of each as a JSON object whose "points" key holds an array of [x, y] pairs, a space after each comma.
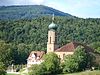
{"points": [[79, 8]]}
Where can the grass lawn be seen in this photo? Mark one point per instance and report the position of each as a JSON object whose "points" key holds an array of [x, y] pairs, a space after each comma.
{"points": [[96, 72]]}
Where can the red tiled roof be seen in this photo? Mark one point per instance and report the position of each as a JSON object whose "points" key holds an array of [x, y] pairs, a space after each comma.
{"points": [[70, 47]]}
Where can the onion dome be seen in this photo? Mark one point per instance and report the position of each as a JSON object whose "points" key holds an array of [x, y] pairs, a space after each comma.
{"points": [[53, 26]]}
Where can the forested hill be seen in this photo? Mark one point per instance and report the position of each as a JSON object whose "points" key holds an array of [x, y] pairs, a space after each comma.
{"points": [[35, 31], [28, 12]]}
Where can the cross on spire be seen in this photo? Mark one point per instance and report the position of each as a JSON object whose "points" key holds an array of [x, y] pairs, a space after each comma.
{"points": [[52, 17]]}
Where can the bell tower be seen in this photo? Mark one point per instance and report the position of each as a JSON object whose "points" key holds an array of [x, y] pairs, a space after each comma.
{"points": [[52, 40]]}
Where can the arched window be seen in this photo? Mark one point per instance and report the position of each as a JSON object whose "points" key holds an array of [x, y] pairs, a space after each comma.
{"points": [[50, 39]]}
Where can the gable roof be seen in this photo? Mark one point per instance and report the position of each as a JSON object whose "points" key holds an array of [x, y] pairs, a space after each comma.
{"points": [[70, 47], [37, 54]]}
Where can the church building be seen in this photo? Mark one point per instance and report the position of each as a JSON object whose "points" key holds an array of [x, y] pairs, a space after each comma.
{"points": [[52, 45], [35, 57]]}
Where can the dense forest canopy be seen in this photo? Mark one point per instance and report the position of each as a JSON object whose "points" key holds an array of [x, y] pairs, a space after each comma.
{"points": [[35, 31]]}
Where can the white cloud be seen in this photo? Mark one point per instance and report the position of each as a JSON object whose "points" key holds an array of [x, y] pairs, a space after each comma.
{"points": [[37, 1]]}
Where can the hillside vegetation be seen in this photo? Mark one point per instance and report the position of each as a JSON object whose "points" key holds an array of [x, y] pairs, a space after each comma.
{"points": [[28, 12], [35, 31], [23, 36]]}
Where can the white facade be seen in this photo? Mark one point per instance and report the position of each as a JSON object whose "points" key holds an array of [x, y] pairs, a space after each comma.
{"points": [[32, 59]]}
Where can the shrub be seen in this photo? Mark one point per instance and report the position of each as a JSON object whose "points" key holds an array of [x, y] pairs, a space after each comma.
{"points": [[37, 69]]}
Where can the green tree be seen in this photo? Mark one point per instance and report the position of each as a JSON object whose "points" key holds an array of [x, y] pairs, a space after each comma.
{"points": [[2, 69], [70, 64], [81, 57], [52, 63], [23, 52], [78, 61], [5, 53], [96, 46]]}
